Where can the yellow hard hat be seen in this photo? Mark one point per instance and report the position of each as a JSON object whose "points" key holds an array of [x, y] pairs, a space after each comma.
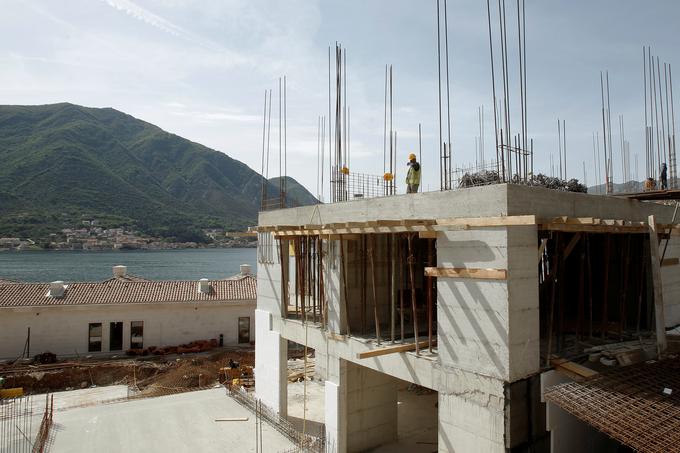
{"points": [[411, 156]]}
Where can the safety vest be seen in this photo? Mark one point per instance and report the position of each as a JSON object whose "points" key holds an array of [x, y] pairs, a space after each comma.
{"points": [[413, 175]]}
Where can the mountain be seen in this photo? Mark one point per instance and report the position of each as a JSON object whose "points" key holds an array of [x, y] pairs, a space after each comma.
{"points": [[64, 163], [296, 193], [628, 187]]}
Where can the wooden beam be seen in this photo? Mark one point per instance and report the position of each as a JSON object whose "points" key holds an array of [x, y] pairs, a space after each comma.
{"points": [[490, 221], [575, 228], [427, 234], [656, 284], [414, 222], [670, 262], [465, 272], [391, 350], [342, 237]]}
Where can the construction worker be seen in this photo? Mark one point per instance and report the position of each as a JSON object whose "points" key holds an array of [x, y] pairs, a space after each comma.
{"points": [[413, 175], [664, 177]]}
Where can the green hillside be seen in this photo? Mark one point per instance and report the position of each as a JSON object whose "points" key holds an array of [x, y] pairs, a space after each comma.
{"points": [[63, 163], [298, 195]]}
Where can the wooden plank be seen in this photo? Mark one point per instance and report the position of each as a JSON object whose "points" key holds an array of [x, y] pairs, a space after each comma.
{"points": [[670, 262], [391, 350], [490, 221], [573, 220], [342, 237], [465, 272], [414, 222], [389, 223], [656, 284], [592, 228], [573, 369], [232, 419], [427, 234]]}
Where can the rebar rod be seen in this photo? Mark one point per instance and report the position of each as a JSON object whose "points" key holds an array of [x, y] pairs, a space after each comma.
{"points": [[493, 89]]}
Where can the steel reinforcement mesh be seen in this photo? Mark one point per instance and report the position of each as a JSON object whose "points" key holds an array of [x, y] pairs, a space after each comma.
{"points": [[638, 405]]}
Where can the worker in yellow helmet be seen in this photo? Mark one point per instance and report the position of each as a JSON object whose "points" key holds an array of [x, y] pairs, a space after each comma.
{"points": [[413, 175]]}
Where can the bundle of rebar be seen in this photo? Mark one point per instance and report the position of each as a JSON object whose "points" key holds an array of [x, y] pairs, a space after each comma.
{"points": [[486, 177]]}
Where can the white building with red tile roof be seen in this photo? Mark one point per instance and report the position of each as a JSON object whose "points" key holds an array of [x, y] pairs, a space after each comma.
{"points": [[124, 312]]}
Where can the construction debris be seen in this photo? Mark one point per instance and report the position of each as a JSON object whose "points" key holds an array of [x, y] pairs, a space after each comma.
{"points": [[152, 376]]}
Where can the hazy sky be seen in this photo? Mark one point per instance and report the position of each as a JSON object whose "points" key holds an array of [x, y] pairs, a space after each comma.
{"points": [[199, 69]]}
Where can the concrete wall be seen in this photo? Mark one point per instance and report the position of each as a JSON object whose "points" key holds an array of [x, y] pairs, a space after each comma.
{"points": [[490, 327], [670, 279], [64, 330], [271, 364], [371, 408], [471, 414]]}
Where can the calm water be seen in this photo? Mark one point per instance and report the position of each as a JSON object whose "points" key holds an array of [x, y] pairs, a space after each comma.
{"points": [[74, 266]]}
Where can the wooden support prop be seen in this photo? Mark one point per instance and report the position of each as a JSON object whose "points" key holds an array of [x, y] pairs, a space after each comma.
{"points": [[656, 283], [371, 245], [572, 243], [412, 280], [427, 234], [670, 262], [465, 272], [574, 370], [490, 221], [391, 350], [541, 248]]}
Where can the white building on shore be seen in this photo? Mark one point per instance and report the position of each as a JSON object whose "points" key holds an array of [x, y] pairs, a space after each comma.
{"points": [[124, 312]]}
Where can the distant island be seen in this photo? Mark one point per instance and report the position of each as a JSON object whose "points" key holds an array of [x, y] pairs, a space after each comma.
{"points": [[96, 178]]}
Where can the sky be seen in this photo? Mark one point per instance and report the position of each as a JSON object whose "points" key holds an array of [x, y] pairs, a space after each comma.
{"points": [[200, 69]]}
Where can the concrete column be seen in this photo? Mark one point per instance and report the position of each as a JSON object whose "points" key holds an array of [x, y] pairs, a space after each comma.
{"points": [[335, 405], [361, 408], [271, 364], [471, 414], [523, 311]]}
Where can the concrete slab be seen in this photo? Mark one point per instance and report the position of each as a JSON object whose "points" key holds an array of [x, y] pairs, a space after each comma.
{"points": [[177, 423]]}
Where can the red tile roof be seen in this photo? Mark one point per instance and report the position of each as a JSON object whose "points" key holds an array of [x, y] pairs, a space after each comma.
{"points": [[127, 292]]}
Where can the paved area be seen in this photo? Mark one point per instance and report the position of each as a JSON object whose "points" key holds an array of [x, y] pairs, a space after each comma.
{"points": [[315, 406], [175, 423]]}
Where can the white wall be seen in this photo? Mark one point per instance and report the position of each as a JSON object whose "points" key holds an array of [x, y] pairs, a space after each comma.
{"points": [[64, 330]]}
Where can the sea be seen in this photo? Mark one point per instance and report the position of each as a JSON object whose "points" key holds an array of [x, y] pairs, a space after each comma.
{"points": [[92, 266]]}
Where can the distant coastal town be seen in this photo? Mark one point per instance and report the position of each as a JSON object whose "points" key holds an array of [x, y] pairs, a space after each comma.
{"points": [[91, 236]]}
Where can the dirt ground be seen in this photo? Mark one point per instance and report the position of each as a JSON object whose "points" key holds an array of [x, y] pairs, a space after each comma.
{"points": [[152, 376]]}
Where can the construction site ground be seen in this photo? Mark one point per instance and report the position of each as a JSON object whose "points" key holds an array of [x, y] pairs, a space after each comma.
{"points": [[178, 423], [147, 376]]}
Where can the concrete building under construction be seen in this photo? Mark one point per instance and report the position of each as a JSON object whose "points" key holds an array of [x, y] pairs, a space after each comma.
{"points": [[488, 296]]}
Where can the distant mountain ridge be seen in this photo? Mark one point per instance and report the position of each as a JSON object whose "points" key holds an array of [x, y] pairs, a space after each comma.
{"points": [[63, 163]]}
